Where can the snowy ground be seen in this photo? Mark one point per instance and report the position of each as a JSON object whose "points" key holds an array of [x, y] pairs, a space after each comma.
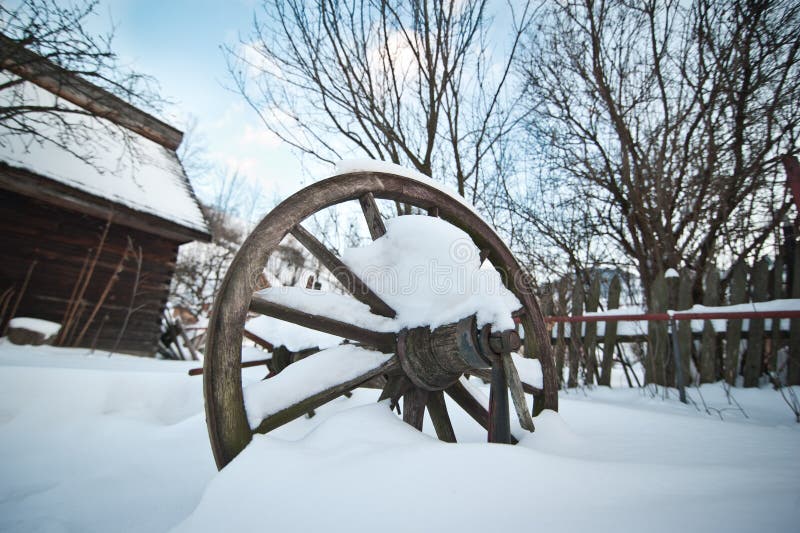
{"points": [[97, 443]]}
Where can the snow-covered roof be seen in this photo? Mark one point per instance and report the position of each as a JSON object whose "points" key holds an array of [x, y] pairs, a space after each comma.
{"points": [[106, 161]]}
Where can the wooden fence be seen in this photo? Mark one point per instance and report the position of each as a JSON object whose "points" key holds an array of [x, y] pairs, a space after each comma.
{"points": [[740, 351]]}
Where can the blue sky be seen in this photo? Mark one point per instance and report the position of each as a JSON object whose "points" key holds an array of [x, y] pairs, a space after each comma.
{"points": [[178, 43]]}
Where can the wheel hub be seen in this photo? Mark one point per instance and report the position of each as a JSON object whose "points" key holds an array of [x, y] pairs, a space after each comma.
{"points": [[434, 360]]}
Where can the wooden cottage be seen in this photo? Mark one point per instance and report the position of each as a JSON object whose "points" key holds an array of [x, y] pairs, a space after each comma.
{"points": [[91, 219]]}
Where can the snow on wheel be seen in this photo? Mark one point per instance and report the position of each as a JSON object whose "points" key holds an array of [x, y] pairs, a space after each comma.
{"points": [[420, 314]]}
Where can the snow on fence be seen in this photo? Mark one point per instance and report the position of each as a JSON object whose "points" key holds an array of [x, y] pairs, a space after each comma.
{"points": [[741, 342]]}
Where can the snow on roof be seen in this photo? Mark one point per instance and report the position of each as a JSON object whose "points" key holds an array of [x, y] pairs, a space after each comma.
{"points": [[105, 161]]}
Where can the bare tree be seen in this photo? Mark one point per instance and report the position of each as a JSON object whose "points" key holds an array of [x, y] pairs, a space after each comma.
{"points": [[47, 41], [661, 125], [410, 82]]}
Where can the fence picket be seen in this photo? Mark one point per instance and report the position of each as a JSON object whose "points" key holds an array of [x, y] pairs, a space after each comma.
{"points": [[733, 336], [776, 293], [655, 368], [708, 344], [575, 344], [754, 356], [793, 364], [610, 333], [590, 336], [685, 301]]}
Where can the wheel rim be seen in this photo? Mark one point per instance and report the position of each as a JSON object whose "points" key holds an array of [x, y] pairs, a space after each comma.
{"points": [[229, 431]]}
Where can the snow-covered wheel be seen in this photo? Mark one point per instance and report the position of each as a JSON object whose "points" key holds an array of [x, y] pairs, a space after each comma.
{"points": [[419, 364]]}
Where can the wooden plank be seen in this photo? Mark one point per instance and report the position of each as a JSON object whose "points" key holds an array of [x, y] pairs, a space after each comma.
{"points": [[708, 344], [754, 357], [793, 364], [517, 394], [776, 293], [610, 334], [351, 282], [685, 301], [733, 331], [560, 350], [385, 342], [372, 215], [439, 416], [319, 399], [590, 337], [657, 345], [575, 345]]}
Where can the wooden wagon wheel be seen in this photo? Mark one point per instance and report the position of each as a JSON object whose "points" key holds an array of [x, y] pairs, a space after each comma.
{"points": [[424, 364]]}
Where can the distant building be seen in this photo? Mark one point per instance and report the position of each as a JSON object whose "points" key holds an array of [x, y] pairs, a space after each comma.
{"points": [[58, 197]]}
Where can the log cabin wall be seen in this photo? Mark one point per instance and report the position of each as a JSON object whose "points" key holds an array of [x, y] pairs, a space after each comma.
{"points": [[59, 241]]}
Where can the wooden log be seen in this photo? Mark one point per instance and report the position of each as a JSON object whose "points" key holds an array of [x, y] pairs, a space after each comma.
{"points": [[610, 334], [590, 337], [439, 417], [349, 280], [575, 345], [754, 357], [708, 344], [657, 339], [685, 301], [733, 333]]}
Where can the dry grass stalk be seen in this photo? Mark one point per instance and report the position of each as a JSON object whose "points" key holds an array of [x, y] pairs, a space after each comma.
{"points": [[109, 285], [78, 300], [20, 294]]}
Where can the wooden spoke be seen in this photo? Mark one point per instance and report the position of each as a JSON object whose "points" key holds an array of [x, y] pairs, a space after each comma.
{"points": [[318, 399], [414, 407], [373, 215], [441, 420], [346, 277], [517, 394], [433, 211], [384, 342], [395, 387], [471, 405], [499, 427], [258, 340]]}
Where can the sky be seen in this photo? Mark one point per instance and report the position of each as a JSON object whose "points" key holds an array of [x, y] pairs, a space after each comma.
{"points": [[178, 42]]}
